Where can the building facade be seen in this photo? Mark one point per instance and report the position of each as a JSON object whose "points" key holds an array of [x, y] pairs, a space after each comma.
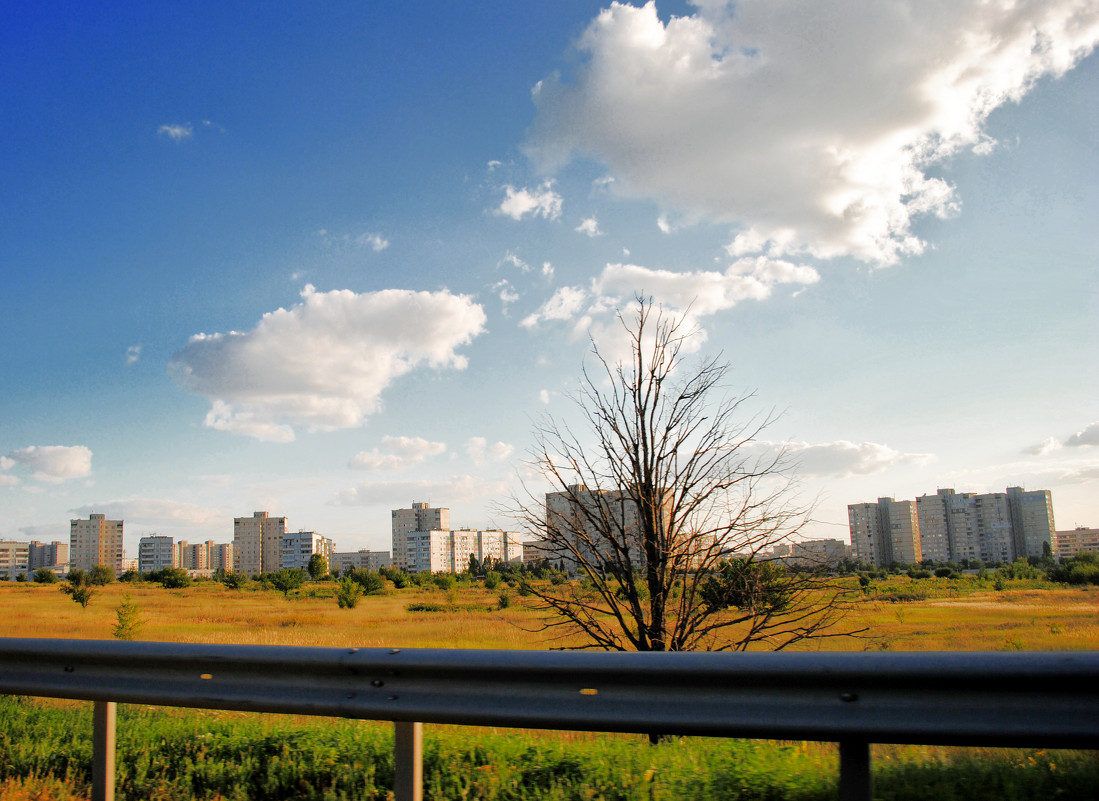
{"points": [[885, 532], [347, 561], [298, 548], [955, 526], [257, 543], [47, 554], [1079, 540], [95, 541], [156, 552], [449, 551], [421, 517], [14, 559]]}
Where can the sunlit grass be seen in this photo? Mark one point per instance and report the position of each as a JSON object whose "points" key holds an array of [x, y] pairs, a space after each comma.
{"points": [[956, 615]]}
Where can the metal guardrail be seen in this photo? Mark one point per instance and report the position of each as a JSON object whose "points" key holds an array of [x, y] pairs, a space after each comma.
{"points": [[1048, 699]]}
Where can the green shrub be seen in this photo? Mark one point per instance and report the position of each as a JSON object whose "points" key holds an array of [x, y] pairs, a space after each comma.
{"points": [[44, 575], [129, 620], [101, 575], [348, 593], [492, 580]]}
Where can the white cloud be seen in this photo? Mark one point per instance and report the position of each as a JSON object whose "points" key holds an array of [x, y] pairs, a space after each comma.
{"points": [[543, 396], [590, 226], [565, 303], [842, 458], [478, 449], [376, 242], [52, 463], [8, 481], [1088, 437], [542, 202], [547, 269], [396, 453], [392, 494], [506, 292], [704, 292], [1048, 445], [515, 261], [177, 133], [324, 362], [133, 354], [811, 125], [154, 512]]}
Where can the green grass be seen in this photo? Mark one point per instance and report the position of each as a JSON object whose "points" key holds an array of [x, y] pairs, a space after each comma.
{"points": [[183, 754]]}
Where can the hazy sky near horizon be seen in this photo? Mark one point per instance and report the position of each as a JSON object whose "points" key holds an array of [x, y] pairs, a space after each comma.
{"points": [[325, 260]]}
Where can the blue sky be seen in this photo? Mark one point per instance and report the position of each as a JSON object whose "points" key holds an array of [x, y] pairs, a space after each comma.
{"points": [[327, 259]]}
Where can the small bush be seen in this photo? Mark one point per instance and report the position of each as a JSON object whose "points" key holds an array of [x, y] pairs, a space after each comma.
{"points": [[492, 580], [348, 593], [101, 575], [44, 575], [426, 608], [80, 593], [129, 620], [504, 599], [445, 581]]}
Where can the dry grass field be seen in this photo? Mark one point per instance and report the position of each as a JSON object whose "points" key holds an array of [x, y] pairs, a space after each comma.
{"points": [[959, 615]]}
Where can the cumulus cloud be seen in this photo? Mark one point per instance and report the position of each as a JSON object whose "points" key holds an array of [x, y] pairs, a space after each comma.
{"points": [[813, 126], [702, 292], [478, 449], [396, 453], [590, 227], [177, 133], [324, 362], [154, 512], [133, 354], [543, 395], [841, 458], [1049, 445], [541, 202], [392, 494], [51, 463], [1088, 437]]}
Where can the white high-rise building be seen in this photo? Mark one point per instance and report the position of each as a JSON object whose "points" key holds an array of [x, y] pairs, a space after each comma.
{"points": [[363, 560], [95, 541], [156, 552], [298, 548], [421, 517], [449, 551], [14, 559]]}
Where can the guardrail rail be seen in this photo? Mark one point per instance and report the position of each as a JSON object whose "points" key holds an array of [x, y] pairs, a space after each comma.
{"points": [[1047, 699]]}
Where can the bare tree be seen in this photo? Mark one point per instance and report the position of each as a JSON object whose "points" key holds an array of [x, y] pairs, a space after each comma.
{"points": [[667, 509]]}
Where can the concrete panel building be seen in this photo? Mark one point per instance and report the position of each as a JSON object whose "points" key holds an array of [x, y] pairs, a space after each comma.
{"points": [[421, 517], [95, 541], [47, 554], [156, 552], [346, 561], [885, 532], [257, 543], [1031, 521], [449, 551], [1069, 543], [298, 548], [14, 559]]}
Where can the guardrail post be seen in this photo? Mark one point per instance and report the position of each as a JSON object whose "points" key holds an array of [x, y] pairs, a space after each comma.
{"points": [[855, 781], [103, 720], [408, 763]]}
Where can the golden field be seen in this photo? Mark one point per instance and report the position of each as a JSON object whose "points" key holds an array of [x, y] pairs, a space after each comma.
{"points": [[956, 615]]}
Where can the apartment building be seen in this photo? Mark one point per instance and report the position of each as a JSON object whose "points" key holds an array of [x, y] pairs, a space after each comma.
{"points": [[156, 552], [954, 526], [95, 541], [219, 555], [298, 548], [14, 559], [345, 561], [47, 554], [257, 543], [193, 556], [818, 553], [421, 517], [1080, 539], [885, 532], [583, 516], [450, 551]]}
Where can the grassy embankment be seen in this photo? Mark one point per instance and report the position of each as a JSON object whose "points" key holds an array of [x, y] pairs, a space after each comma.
{"points": [[45, 746]]}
